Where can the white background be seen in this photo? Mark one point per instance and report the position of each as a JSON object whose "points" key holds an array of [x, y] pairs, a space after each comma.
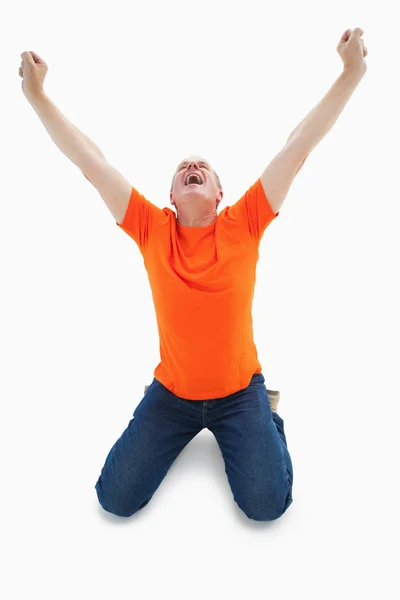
{"points": [[78, 329]]}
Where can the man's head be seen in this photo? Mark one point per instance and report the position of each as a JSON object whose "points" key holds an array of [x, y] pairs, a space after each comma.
{"points": [[196, 203]]}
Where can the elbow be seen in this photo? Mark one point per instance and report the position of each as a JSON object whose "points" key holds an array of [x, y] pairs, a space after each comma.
{"points": [[301, 164]]}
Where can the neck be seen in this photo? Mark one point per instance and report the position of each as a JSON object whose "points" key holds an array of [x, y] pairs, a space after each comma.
{"points": [[193, 221]]}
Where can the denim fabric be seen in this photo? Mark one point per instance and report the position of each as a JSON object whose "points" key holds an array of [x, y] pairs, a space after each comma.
{"points": [[251, 438]]}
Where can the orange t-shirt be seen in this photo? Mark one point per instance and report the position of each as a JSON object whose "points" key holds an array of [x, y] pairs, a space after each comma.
{"points": [[202, 281]]}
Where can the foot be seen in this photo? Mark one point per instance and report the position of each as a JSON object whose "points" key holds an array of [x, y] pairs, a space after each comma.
{"points": [[274, 397]]}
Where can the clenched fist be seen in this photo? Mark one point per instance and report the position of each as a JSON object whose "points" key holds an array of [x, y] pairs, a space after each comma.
{"points": [[352, 51], [33, 70]]}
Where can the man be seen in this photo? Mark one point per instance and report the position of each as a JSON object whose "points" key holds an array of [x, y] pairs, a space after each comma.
{"points": [[201, 267]]}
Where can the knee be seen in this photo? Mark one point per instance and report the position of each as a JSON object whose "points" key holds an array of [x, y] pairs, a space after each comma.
{"points": [[119, 511], [268, 508], [115, 506]]}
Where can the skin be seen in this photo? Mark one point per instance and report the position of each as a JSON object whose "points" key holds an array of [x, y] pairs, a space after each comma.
{"points": [[196, 205]]}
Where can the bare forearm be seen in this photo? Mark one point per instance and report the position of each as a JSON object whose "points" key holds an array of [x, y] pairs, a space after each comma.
{"points": [[324, 115], [69, 139]]}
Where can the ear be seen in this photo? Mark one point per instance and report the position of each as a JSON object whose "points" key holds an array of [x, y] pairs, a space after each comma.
{"points": [[170, 198]]}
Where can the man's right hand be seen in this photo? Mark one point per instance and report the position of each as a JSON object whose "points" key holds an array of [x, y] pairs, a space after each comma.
{"points": [[33, 71]]}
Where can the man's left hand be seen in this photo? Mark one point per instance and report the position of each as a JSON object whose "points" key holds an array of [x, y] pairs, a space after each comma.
{"points": [[352, 51]]}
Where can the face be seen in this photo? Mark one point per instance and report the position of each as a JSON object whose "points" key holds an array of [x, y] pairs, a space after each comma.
{"points": [[208, 191]]}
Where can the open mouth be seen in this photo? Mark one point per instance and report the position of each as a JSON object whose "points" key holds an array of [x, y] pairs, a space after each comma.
{"points": [[193, 179]]}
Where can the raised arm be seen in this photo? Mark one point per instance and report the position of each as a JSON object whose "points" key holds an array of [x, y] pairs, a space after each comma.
{"points": [[69, 139], [324, 115], [278, 176], [111, 185]]}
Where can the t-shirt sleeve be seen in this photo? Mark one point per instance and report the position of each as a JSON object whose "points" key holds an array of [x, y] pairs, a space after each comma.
{"points": [[141, 219], [253, 211]]}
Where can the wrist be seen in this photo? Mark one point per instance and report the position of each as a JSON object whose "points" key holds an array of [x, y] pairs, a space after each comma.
{"points": [[356, 73], [36, 98]]}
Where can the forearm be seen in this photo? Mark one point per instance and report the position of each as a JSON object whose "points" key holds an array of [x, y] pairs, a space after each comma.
{"points": [[69, 139], [324, 115]]}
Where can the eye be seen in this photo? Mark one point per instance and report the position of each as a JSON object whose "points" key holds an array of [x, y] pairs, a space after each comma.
{"points": [[202, 167]]}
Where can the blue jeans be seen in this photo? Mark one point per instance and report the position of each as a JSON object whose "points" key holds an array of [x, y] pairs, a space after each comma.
{"points": [[249, 434]]}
